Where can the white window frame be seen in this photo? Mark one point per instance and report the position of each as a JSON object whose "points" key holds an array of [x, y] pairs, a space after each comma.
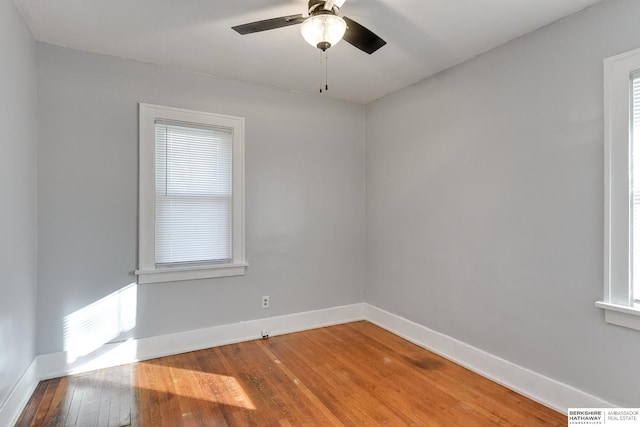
{"points": [[147, 272], [618, 301]]}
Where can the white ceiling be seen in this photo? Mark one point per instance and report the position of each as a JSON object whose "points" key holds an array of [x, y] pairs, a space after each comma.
{"points": [[423, 37]]}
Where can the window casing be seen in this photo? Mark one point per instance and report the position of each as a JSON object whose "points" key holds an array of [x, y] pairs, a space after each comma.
{"points": [[622, 216], [635, 186], [191, 195]]}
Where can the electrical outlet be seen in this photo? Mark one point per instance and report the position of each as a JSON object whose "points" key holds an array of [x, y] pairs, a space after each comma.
{"points": [[265, 301], [264, 333]]}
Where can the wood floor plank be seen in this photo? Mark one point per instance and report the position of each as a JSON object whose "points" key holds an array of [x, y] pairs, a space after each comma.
{"points": [[115, 394], [76, 401], [45, 403], [124, 397], [88, 415], [59, 404], [134, 398], [168, 397], [151, 398], [355, 374], [29, 413], [106, 397]]}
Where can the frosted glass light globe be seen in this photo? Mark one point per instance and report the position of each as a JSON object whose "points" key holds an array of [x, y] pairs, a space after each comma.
{"points": [[323, 31]]}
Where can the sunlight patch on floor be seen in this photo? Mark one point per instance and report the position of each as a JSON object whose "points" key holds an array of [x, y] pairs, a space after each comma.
{"points": [[217, 388]]}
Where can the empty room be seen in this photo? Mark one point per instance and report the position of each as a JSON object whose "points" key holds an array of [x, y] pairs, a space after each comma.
{"points": [[324, 212]]}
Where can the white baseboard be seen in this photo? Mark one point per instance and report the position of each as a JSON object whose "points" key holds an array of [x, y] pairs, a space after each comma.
{"points": [[538, 387], [12, 407], [542, 389], [55, 364]]}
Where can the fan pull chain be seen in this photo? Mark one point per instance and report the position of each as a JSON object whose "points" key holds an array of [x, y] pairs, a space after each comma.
{"points": [[326, 71], [321, 58], [324, 57]]}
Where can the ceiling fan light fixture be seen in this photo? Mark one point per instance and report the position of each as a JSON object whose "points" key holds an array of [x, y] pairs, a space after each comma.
{"points": [[323, 30]]}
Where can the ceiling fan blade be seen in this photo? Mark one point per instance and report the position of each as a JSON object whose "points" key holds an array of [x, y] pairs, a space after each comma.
{"points": [[269, 24], [361, 37]]}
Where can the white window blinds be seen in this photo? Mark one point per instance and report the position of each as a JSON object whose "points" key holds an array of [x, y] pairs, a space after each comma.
{"points": [[635, 184], [193, 197]]}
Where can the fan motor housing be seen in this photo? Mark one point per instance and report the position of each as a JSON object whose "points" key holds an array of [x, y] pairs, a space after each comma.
{"points": [[316, 7]]}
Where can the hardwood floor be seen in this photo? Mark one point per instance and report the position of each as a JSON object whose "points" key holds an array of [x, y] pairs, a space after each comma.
{"points": [[348, 375]]}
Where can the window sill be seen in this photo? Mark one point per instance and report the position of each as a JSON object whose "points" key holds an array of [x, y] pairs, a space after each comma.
{"points": [[621, 315], [178, 274]]}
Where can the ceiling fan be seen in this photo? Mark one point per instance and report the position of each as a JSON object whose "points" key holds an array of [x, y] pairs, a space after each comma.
{"points": [[323, 27]]}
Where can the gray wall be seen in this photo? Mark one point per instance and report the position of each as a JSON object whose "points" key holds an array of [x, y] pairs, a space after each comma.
{"points": [[18, 162], [485, 203], [304, 196]]}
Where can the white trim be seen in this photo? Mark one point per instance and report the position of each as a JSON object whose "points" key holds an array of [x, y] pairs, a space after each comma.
{"points": [[621, 315], [617, 105], [54, 365], [13, 406], [542, 389], [617, 201], [189, 273], [147, 271]]}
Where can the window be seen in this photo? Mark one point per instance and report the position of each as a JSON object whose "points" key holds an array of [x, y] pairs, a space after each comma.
{"points": [[622, 190], [635, 185], [191, 220]]}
